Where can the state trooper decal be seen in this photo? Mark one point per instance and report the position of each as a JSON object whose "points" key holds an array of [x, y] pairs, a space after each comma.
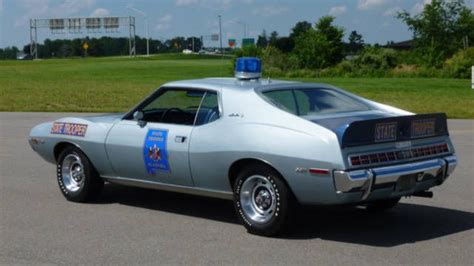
{"points": [[154, 151]]}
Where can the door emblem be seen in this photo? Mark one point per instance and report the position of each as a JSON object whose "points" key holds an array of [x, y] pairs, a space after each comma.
{"points": [[155, 153]]}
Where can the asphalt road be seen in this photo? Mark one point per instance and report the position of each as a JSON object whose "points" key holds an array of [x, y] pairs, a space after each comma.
{"points": [[131, 225]]}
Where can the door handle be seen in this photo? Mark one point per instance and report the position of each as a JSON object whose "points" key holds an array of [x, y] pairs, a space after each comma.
{"points": [[180, 139]]}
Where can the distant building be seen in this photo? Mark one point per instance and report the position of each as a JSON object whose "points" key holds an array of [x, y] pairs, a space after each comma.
{"points": [[405, 45]]}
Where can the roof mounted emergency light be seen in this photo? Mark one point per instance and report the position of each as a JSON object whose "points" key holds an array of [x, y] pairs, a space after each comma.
{"points": [[248, 68]]}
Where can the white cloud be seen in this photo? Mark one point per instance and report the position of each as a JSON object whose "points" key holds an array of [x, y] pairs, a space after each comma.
{"points": [[32, 9], [164, 22], [70, 7], [48, 8], [186, 2], [216, 4], [393, 11], [369, 4], [419, 6], [100, 12], [210, 4], [337, 10], [269, 11]]}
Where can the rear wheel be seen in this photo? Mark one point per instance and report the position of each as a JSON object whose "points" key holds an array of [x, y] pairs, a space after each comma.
{"points": [[262, 200], [382, 205], [77, 178]]}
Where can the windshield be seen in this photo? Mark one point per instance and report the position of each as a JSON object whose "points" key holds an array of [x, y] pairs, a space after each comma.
{"points": [[314, 101]]}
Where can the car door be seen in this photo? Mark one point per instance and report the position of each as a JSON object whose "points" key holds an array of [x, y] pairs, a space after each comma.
{"points": [[156, 147]]}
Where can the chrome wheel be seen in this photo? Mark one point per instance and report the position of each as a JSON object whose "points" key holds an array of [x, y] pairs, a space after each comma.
{"points": [[258, 199], [72, 172]]}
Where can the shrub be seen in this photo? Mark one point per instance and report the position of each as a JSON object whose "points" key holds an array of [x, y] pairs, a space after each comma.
{"points": [[273, 72], [377, 58], [273, 58], [459, 66], [302, 73]]}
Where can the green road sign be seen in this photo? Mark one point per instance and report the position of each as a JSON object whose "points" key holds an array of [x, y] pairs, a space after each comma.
{"points": [[248, 41]]}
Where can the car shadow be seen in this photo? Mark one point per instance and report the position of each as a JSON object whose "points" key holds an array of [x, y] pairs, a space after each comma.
{"points": [[407, 223]]}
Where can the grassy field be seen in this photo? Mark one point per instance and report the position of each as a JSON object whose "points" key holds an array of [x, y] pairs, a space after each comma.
{"points": [[116, 84]]}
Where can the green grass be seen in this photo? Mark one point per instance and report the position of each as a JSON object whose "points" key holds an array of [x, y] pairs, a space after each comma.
{"points": [[117, 84]]}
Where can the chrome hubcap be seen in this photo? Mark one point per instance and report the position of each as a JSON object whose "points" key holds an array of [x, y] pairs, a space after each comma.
{"points": [[263, 199], [258, 199], [72, 172]]}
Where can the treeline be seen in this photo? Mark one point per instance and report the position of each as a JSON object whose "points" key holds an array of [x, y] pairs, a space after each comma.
{"points": [[9, 53], [443, 38], [104, 46]]}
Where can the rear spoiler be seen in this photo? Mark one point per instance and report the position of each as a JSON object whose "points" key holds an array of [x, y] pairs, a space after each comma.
{"points": [[392, 129]]}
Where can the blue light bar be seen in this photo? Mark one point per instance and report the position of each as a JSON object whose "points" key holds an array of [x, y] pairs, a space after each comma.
{"points": [[248, 68]]}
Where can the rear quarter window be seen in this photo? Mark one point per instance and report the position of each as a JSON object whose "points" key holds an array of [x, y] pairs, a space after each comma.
{"points": [[314, 101]]}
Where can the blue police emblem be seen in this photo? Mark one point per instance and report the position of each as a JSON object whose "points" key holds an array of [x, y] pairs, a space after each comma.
{"points": [[154, 151]]}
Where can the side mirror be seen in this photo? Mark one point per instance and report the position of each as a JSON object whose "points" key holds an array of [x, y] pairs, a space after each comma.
{"points": [[138, 116]]}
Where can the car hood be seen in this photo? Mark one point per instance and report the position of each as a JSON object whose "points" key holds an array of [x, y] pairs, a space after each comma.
{"points": [[106, 118]]}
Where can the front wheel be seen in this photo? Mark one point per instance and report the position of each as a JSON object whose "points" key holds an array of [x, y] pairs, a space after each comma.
{"points": [[77, 177], [262, 200]]}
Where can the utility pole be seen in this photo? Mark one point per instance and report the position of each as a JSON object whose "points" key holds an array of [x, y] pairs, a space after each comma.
{"points": [[220, 33], [245, 27], [146, 28]]}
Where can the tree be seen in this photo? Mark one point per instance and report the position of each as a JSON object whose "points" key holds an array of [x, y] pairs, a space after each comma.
{"points": [[333, 36], [356, 43], [197, 43], [440, 29], [9, 52], [284, 44], [320, 47], [273, 38], [465, 26], [262, 40], [299, 29]]}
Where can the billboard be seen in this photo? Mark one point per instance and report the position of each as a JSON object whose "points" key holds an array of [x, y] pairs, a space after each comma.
{"points": [[93, 23], [214, 37], [74, 24], [56, 24], [111, 22]]}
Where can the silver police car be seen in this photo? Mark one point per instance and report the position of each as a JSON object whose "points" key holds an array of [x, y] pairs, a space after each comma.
{"points": [[265, 144]]}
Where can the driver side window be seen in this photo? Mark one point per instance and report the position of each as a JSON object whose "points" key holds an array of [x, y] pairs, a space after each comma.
{"points": [[174, 107]]}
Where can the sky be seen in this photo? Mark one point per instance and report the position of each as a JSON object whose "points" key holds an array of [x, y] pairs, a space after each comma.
{"points": [[374, 19]]}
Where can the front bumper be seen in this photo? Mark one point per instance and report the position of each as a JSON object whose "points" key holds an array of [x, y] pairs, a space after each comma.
{"points": [[370, 179]]}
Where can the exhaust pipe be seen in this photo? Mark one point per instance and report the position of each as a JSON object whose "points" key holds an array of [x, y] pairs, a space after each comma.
{"points": [[423, 194]]}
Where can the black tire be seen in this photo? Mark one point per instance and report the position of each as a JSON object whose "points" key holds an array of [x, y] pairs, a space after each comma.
{"points": [[279, 219], [88, 184], [382, 205]]}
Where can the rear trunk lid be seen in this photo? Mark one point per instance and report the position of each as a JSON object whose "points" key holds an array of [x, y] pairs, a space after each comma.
{"points": [[379, 138], [367, 128]]}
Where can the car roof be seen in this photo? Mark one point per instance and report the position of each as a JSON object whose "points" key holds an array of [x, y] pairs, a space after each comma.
{"points": [[235, 84], [227, 83]]}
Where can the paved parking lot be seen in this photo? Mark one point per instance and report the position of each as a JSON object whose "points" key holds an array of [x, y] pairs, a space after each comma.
{"points": [[131, 225]]}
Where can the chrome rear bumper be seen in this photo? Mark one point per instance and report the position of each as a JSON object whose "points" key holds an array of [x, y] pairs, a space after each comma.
{"points": [[366, 179]]}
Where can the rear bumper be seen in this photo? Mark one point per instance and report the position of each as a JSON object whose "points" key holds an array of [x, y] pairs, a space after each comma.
{"points": [[370, 179]]}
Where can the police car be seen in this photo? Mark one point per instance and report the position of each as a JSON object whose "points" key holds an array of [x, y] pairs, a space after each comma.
{"points": [[267, 145]]}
